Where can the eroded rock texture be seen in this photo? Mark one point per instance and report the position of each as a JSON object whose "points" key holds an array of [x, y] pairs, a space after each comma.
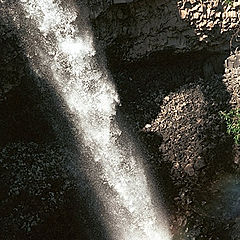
{"points": [[201, 153], [143, 27], [179, 100]]}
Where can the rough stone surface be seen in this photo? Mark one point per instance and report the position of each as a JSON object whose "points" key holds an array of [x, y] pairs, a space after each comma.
{"points": [[182, 124], [232, 78], [10, 58], [39, 199], [98, 7], [194, 140], [143, 27]]}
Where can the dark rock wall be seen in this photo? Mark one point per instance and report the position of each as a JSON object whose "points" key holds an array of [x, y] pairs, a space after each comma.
{"points": [[97, 7], [21, 118], [143, 27], [172, 103]]}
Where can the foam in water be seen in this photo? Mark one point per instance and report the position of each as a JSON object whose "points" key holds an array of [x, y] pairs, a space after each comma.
{"points": [[91, 98]]}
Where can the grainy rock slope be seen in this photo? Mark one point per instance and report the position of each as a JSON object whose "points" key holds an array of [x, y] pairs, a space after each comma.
{"points": [[184, 131], [39, 195], [197, 146]]}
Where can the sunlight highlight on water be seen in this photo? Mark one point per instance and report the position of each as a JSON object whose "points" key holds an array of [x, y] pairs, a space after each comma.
{"points": [[91, 99]]}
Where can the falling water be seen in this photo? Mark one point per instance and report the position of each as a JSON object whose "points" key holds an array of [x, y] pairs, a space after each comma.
{"points": [[68, 51]]}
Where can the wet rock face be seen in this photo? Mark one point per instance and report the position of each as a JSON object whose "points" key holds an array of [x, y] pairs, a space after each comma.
{"points": [[143, 27], [97, 7], [21, 118], [173, 102], [11, 59]]}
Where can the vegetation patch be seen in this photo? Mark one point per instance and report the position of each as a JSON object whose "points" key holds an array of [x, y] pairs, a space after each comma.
{"points": [[232, 119], [228, 2]]}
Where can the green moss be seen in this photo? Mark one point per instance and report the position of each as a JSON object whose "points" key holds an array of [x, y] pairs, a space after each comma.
{"points": [[232, 119], [228, 2]]}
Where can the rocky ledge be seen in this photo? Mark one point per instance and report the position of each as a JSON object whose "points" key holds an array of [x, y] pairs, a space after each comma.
{"points": [[144, 27]]}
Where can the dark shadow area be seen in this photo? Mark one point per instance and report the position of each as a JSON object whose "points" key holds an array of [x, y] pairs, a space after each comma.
{"points": [[20, 118], [40, 156], [146, 82], [142, 85]]}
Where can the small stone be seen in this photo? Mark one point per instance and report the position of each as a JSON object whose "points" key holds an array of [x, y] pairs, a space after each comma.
{"points": [[148, 125], [203, 37], [183, 13], [189, 169], [166, 98], [196, 15]]}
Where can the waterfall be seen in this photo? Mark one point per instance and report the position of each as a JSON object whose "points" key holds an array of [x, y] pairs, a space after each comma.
{"points": [[67, 50]]}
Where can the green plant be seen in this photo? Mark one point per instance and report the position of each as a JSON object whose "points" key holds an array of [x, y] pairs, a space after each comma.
{"points": [[228, 2], [232, 119]]}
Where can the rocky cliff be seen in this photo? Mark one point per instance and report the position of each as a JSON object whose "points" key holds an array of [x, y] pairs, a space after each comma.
{"points": [[178, 68], [143, 27]]}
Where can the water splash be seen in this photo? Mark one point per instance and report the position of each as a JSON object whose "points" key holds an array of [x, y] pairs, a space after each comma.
{"points": [[91, 99]]}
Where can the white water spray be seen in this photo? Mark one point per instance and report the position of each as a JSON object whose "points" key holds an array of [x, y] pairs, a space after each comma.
{"points": [[91, 98]]}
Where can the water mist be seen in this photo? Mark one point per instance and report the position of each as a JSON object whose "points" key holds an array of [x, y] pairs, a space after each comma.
{"points": [[66, 51]]}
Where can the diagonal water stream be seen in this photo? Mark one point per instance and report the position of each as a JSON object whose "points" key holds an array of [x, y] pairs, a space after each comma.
{"points": [[91, 99]]}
